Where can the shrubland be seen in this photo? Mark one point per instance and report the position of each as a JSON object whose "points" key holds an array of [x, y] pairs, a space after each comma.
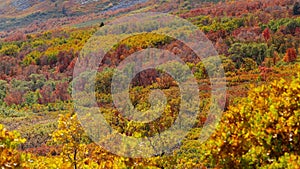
{"points": [[258, 43]]}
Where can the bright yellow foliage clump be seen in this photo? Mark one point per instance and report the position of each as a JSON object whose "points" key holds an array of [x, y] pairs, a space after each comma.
{"points": [[70, 135], [259, 130], [9, 141]]}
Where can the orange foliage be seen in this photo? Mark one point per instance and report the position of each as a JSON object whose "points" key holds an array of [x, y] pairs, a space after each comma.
{"points": [[290, 55], [266, 34], [264, 71]]}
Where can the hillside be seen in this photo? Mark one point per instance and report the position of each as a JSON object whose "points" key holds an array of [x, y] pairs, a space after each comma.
{"points": [[34, 16], [19, 8], [251, 53], [22, 13]]}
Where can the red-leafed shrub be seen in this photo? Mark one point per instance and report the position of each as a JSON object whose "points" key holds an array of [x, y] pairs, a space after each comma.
{"points": [[264, 71], [291, 55], [61, 91], [14, 97], [266, 34]]}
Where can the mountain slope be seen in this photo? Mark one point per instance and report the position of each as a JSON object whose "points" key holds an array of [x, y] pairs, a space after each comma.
{"points": [[21, 8], [15, 14]]}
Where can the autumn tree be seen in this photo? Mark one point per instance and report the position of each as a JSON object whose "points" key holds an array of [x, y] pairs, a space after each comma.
{"points": [[266, 34], [9, 141], [61, 91], [45, 94], [291, 55], [248, 64], [63, 60], [8, 66], [14, 96], [71, 136], [261, 130], [9, 50]]}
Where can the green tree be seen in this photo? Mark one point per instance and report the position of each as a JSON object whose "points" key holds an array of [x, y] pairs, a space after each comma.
{"points": [[38, 81], [3, 89], [255, 51], [31, 97]]}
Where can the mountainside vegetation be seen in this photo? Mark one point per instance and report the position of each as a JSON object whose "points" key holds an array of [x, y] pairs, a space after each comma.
{"points": [[258, 42]]}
